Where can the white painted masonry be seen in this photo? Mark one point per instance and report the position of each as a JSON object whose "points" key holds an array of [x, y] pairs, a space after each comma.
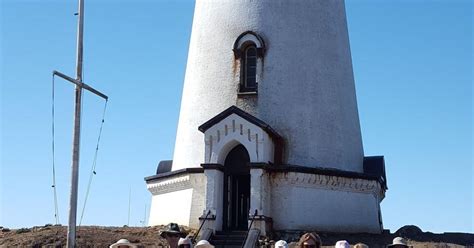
{"points": [[234, 130], [214, 198], [260, 197], [171, 207], [306, 88], [177, 199], [302, 201]]}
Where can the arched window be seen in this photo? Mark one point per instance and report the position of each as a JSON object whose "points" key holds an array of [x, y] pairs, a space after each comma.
{"points": [[249, 48]]}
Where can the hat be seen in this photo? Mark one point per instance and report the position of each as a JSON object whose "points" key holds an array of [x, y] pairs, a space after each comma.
{"points": [[203, 244], [310, 236], [361, 245], [122, 242], [398, 241], [342, 244], [171, 228], [185, 241], [281, 244]]}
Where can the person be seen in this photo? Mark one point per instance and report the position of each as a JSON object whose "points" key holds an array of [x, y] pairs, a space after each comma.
{"points": [[185, 243], [281, 244], [361, 245], [398, 242], [122, 243], [342, 244], [310, 240], [172, 234], [203, 244]]}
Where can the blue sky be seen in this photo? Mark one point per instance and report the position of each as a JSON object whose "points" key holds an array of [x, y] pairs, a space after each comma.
{"points": [[412, 60]]}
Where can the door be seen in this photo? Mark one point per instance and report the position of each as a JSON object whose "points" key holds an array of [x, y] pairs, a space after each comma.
{"points": [[236, 189]]}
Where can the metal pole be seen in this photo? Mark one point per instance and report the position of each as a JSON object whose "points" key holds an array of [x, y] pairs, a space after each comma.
{"points": [[71, 233], [80, 31], [144, 217]]}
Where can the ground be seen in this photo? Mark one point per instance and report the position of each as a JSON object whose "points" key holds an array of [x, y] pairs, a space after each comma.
{"points": [[97, 236], [87, 236]]}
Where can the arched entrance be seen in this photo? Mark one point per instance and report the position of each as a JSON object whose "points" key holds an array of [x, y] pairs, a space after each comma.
{"points": [[236, 189]]}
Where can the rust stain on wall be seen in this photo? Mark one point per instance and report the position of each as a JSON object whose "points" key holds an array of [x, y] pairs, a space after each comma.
{"points": [[235, 66]]}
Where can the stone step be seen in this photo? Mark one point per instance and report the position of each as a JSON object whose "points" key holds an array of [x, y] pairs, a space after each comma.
{"points": [[233, 239], [243, 232], [228, 237], [228, 246], [230, 243]]}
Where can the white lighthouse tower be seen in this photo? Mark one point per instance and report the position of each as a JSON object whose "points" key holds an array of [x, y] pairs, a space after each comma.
{"points": [[269, 124]]}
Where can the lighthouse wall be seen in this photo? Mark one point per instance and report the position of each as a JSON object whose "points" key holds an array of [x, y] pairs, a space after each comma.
{"points": [[305, 83], [178, 198], [307, 93], [302, 201]]}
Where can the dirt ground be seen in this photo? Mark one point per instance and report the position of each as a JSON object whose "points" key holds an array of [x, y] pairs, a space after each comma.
{"points": [[87, 236], [98, 236]]}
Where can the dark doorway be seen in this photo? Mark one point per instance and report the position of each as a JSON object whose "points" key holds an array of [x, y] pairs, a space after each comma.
{"points": [[236, 189]]}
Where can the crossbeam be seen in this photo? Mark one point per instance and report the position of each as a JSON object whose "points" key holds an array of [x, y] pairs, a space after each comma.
{"points": [[71, 234], [80, 84]]}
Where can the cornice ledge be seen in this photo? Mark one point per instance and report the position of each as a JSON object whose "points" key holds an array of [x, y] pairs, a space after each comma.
{"points": [[329, 182], [169, 185]]}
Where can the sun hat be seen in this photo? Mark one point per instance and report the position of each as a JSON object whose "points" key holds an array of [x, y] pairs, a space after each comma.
{"points": [[310, 236], [203, 244], [185, 241], [171, 228], [122, 242], [398, 241], [361, 245], [342, 244], [281, 244]]}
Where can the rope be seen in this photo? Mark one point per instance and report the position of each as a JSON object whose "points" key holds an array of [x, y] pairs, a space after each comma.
{"points": [[129, 200], [94, 163], [56, 214]]}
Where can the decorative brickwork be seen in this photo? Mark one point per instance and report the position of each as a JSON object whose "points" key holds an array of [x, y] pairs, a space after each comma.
{"points": [[233, 130], [169, 185], [329, 183]]}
